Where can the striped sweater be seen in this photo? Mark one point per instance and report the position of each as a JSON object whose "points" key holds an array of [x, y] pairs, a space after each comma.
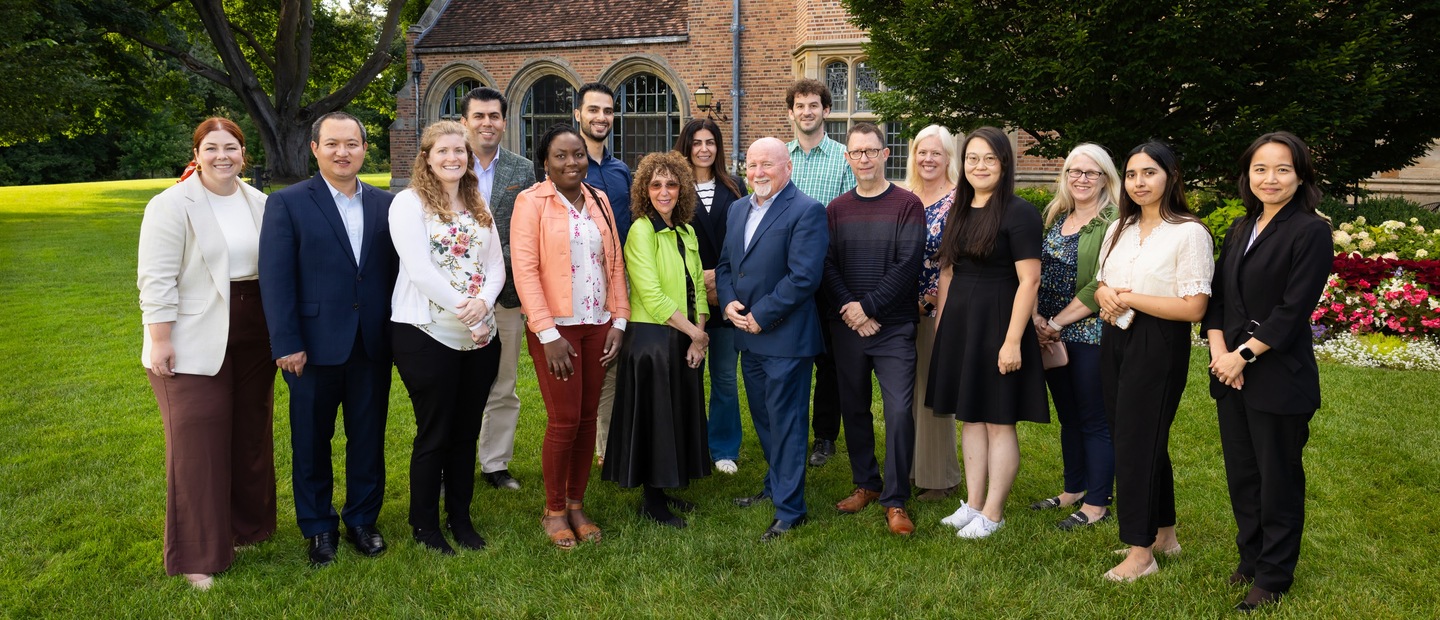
{"points": [[876, 248]]}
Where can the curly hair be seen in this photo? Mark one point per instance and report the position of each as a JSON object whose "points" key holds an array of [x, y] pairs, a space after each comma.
{"points": [[429, 188], [673, 165]]}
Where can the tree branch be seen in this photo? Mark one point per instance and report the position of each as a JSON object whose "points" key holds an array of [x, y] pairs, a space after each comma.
{"points": [[199, 67], [378, 60], [265, 56]]}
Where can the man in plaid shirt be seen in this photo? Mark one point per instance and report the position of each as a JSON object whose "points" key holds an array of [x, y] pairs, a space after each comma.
{"points": [[820, 172]]}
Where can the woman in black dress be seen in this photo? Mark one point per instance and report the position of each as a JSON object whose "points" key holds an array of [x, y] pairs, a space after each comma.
{"points": [[985, 369], [657, 434], [1273, 266]]}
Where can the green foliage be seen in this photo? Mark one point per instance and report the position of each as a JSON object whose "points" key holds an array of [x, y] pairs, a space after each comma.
{"points": [[1219, 220], [1039, 196], [156, 150], [1409, 240], [1357, 80], [1379, 209], [59, 160]]}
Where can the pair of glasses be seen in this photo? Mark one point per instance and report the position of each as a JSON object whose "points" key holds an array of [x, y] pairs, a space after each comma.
{"points": [[1091, 175], [990, 161], [869, 153]]}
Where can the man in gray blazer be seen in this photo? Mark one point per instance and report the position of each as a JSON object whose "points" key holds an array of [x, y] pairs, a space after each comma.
{"points": [[502, 177]]}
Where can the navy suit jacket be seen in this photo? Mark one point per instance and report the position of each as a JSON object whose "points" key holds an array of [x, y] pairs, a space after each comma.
{"points": [[1271, 291], [317, 297], [776, 278]]}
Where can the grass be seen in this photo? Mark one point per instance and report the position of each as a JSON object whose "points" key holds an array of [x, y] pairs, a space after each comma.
{"points": [[82, 497]]}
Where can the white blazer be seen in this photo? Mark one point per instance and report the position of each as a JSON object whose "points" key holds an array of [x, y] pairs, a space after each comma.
{"points": [[184, 274]]}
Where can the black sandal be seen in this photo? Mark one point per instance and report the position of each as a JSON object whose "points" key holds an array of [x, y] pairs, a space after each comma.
{"points": [[1078, 519]]}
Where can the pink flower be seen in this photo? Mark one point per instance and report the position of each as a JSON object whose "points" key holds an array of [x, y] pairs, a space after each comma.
{"points": [[477, 278], [472, 290], [458, 250], [1337, 307]]}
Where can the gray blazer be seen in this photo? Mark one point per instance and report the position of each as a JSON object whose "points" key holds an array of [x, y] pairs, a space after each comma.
{"points": [[513, 174]]}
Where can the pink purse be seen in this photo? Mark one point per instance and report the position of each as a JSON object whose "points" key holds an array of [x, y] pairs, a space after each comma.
{"points": [[1054, 355]]}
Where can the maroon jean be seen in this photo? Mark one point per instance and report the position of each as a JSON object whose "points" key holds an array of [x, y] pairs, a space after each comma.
{"points": [[219, 447], [572, 407]]}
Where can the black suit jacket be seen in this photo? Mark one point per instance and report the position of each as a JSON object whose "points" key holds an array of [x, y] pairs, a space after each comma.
{"points": [[1269, 293], [710, 227]]}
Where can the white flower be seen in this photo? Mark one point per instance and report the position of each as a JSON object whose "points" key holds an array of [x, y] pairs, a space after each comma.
{"points": [[1390, 255], [1421, 253], [1347, 227], [1419, 229], [1414, 220], [1392, 225], [1367, 244], [1341, 237], [1364, 234], [1360, 221]]}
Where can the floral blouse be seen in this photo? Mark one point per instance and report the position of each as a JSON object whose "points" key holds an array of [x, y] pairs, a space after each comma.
{"points": [[935, 215], [587, 269], [1059, 258], [442, 264]]}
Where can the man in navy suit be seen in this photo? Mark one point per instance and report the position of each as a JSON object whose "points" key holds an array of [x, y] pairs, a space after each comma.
{"points": [[327, 269], [769, 270]]}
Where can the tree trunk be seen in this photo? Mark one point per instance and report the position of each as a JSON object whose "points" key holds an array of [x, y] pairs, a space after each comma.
{"points": [[287, 154]]}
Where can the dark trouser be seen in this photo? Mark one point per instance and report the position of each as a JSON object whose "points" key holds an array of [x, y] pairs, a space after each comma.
{"points": [[825, 417], [448, 389], [1085, 445], [219, 447], [777, 388], [1143, 371], [361, 385], [1267, 488], [571, 406], [890, 353]]}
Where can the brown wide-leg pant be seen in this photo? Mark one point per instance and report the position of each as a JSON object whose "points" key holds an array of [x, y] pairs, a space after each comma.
{"points": [[219, 447]]}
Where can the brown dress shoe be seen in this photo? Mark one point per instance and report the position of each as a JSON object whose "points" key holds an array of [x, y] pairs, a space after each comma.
{"points": [[857, 501], [898, 521]]}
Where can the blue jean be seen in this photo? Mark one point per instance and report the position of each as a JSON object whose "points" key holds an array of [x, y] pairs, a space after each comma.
{"points": [[1085, 446], [724, 421]]}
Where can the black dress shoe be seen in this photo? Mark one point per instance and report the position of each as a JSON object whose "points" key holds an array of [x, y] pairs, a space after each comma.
{"points": [[746, 502], [823, 450], [1257, 598], [502, 480], [678, 504], [322, 548], [1079, 519], [432, 539], [367, 539], [778, 528], [465, 535]]}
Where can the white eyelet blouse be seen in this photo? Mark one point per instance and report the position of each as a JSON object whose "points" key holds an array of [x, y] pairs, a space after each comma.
{"points": [[1175, 260]]}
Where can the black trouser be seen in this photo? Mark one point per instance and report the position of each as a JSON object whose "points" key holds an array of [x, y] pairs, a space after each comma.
{"points": [[449, 390], [825, 414], [1143, 372], [890, 354], [1266, 477]]}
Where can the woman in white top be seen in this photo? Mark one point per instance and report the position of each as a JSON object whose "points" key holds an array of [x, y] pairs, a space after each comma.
{"points": [[451, 271], [1154, 273], [207, 354]]}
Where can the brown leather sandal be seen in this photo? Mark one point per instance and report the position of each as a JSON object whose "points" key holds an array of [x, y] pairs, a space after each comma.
{"points": [[557, 527], [581, 523]]}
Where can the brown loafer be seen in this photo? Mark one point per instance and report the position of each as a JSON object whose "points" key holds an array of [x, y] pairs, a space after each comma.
{"points": [[857, 501], [898, 521]]}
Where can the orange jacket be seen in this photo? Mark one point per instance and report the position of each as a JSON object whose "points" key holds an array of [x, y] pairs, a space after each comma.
{"points": [[540, 255]]}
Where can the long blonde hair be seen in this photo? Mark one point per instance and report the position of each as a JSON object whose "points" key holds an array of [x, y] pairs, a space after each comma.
{"points": [[913, 182], [432, 192], [1064, 201]]}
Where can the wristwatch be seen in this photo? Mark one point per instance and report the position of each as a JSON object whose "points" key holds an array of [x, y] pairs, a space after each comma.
{"points": [[928, 307], [1246, 354]]}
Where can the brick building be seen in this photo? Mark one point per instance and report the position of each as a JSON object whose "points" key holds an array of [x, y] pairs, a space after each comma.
{"points": [[656, 55]]}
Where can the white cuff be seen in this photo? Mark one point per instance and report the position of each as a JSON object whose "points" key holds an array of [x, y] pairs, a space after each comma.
{"points": [[619, 324], [547, 336]]}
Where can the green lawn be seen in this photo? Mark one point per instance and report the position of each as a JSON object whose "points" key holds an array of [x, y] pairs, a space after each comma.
{"points": [[82, 497]]}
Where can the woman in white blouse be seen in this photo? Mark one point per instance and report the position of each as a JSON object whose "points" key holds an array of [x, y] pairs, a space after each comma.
{"points": [[207, 355], [451, 271], [1155, 268]]}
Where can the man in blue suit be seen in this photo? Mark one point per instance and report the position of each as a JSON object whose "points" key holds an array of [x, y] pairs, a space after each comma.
{"points": [[769, 270], [327, 268]]}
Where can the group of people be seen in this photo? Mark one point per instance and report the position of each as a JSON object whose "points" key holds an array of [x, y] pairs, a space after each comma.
{"points": [[961, 300]]}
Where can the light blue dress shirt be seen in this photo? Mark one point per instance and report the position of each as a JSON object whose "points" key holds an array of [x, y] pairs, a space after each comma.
{"points": [[352, 213], [486, 177]]}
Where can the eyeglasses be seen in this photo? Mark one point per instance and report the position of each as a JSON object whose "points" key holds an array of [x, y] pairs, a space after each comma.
{"points": [[974, 160], [1092, 175], [869, 153]]}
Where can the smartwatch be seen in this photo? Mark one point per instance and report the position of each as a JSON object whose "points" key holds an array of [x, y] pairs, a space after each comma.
{"points": [[928, 307], [1246, 354]]}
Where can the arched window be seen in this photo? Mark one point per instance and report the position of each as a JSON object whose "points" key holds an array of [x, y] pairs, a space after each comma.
{"points": [[549, 101], [450, 104], [647, 118], [837, 79], [851, 80]]}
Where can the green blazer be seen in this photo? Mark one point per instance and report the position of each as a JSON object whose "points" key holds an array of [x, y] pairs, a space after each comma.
{"points": [[656, 271], [1092, 235]]}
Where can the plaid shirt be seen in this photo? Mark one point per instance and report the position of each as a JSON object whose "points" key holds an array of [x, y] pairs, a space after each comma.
{"points": [[822, 173]]}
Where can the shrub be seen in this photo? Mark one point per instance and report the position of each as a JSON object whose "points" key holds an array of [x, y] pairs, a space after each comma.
{"points": [[1379, 209], [1380, 351], [1390, 239], [1219, 220], [1038, 196], [1397, 304]]}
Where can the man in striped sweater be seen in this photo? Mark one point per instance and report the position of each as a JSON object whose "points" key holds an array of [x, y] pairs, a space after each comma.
{"points": [[877, 243]]}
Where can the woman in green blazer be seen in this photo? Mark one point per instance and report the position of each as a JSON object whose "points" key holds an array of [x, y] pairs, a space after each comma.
{"points": [[658, 438], [1076, 221]]}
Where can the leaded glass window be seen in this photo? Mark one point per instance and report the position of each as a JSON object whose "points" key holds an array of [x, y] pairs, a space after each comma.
{"points": [[450, 104], [647, 118], [866, 82], [548, 102], [837, 79], [899, 151]]}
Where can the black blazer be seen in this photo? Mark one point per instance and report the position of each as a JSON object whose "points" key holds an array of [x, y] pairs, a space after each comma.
{"points": [[1270, 292], [710, 227]]}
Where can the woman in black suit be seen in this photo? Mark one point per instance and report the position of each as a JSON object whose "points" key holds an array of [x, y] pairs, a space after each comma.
{"points": [[1272, 269], [703, 146]]}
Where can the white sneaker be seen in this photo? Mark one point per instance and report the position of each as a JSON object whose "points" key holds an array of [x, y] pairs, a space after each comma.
{"points": [[961, 517], [726, 466], [980, 527]]}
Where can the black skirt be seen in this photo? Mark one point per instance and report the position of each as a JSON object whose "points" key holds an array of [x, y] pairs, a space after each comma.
{"points": [[657, 433]]}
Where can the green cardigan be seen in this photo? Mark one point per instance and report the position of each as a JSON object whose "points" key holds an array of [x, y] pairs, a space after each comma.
{"points": [[656, 272], [1092, 235]]}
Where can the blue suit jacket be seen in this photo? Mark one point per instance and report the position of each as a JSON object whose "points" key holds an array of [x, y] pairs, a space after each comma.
{"points": [[776, 278], [317, 298]]}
